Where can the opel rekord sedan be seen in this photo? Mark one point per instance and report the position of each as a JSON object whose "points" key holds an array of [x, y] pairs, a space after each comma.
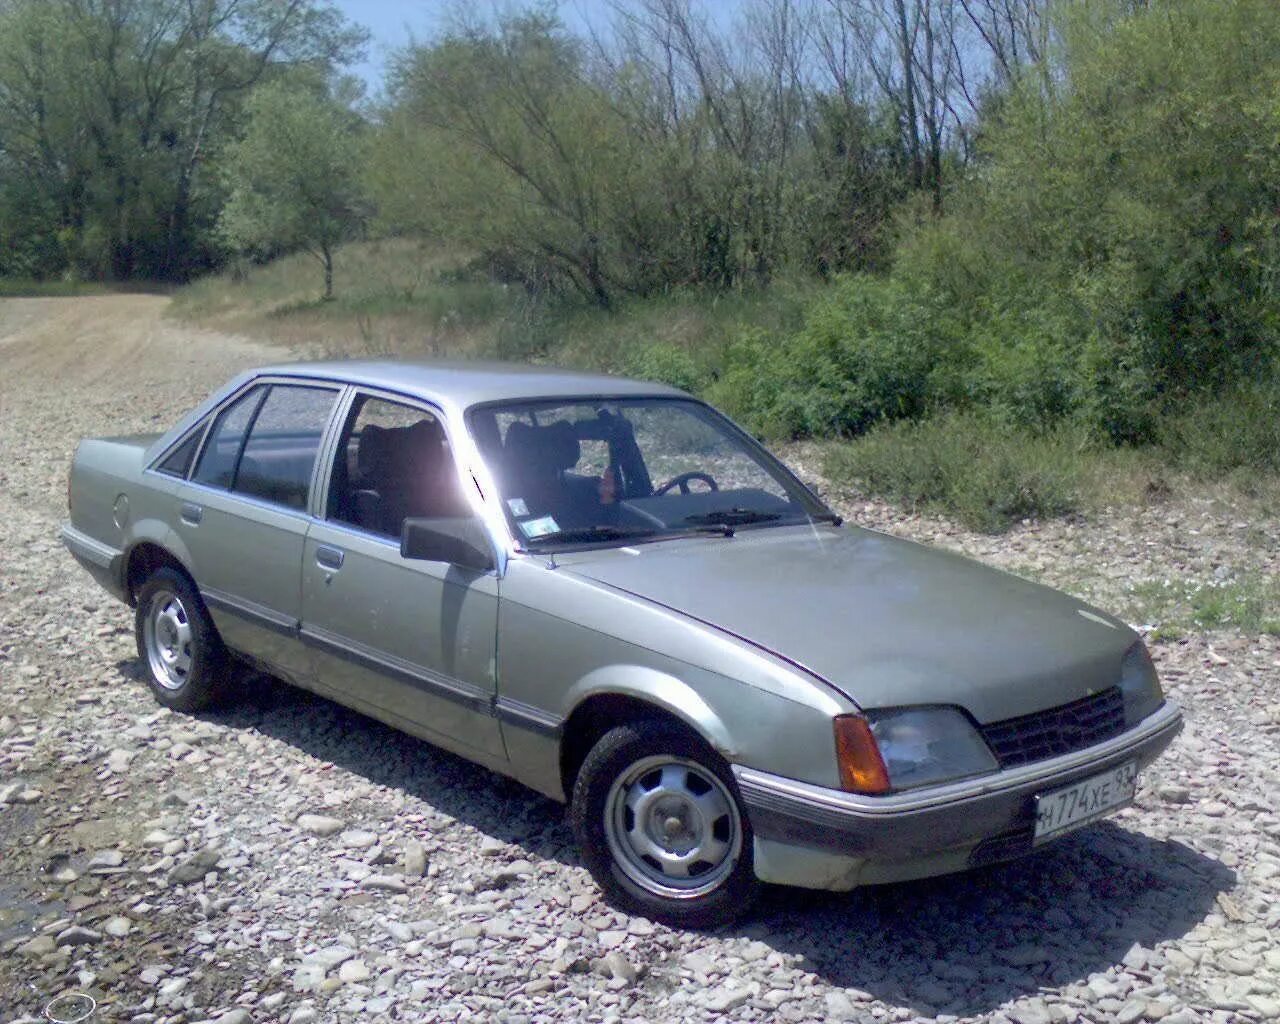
{"points": [[606, 590]]}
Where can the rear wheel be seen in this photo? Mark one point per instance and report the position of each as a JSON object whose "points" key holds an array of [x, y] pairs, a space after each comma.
{"points": [[657, 816], [186, 664]]}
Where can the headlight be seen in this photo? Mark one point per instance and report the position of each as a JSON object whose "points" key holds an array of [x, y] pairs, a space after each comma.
{"points": [[913, 747], [1139, 684]]}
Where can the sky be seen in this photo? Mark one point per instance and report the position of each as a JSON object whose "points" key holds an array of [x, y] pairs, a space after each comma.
{"points": [[391, 23]]}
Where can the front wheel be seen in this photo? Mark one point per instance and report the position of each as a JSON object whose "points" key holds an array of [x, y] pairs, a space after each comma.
{"points": [[657, 816], [179, 646]]}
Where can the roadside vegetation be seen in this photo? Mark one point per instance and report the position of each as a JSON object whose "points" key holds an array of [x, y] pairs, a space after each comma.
{"points": [[1005, 261]]}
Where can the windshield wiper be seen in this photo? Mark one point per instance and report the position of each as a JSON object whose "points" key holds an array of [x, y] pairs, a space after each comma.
{"points": [[608, 532], [732, 517], [601, 531]]}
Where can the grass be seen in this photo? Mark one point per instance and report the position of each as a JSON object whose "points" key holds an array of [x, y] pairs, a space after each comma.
{"points": [[397, 296], [390, 296], [1249, 603], [985, 474], [15, 288]]}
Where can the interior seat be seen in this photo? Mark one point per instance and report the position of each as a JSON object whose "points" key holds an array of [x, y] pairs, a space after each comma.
{"points": [[536, 461]]}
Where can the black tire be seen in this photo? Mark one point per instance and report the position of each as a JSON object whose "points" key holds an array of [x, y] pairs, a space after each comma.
{"points": [[635, 757], [194, 643]]}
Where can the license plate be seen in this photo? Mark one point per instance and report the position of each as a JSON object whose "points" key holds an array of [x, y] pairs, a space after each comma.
{"points": [[1084, 801]]}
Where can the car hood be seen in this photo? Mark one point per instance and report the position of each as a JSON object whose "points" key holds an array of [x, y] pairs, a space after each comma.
{"points": [[885, 621]]}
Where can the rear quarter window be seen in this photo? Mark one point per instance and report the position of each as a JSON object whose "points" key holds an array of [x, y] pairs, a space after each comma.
{"points": [[178, 462]]}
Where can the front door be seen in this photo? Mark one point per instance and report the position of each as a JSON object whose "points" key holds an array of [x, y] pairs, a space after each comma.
{"points": [[410, 642]]}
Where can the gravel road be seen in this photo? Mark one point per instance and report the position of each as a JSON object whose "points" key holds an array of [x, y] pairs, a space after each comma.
{"points": [[292, 861]]}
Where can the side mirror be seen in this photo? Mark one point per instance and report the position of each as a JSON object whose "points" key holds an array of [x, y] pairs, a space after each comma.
{"points": [[462, 542]]}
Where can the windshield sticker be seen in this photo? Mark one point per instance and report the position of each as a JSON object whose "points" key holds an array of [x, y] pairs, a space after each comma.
{"points": [[539, 527], [518, 507]]}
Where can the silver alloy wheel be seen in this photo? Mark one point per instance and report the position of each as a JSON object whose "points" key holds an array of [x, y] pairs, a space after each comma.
{"points": [[672, 826], [166, 634]]}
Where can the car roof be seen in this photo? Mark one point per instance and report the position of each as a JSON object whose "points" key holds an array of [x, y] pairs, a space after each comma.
{"points": [[464, 383]]}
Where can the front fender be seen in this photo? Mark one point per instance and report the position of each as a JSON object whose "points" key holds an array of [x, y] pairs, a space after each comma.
{"points": [[666, 692]]}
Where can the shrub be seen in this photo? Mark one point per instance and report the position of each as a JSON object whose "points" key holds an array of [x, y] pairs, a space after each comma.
{"points": [[869, 350], [984, 473], [667, 364], [1237, 431]]}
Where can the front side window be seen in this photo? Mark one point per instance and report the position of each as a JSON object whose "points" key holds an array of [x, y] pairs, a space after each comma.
{"points": [[600, 471], [393, 463], [282, 445]]}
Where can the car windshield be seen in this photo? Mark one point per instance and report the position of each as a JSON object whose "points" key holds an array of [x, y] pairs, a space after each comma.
{"points": [[618, 471]]}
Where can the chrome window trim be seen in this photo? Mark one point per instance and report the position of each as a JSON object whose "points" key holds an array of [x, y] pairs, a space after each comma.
{"points": [[267, 381]]}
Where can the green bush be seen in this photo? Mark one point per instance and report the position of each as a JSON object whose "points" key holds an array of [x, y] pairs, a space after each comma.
{"points": [[1114, 254], [870, 350], [1238, 431], [977, 469], [667, 364]]}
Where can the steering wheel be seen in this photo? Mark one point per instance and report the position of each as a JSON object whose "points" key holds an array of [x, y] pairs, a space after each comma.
{"points": [[682, 481]]}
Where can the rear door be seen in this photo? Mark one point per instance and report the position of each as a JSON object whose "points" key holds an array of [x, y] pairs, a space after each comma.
{"points": [[410, 642], [243, 516]]}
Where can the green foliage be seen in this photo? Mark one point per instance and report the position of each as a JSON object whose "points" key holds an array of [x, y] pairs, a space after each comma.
{"points": [[1236, 433], [974, 468], [293, 179], [869, 350], [17, 287], [114, 118], [614, 182], [667, 364], [1116, 252]]}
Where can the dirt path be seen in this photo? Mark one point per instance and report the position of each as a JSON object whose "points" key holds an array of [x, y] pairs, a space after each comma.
{"points": [[159, 861], [112, 364]]}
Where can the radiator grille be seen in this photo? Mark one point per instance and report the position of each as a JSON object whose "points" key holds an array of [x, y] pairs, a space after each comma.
{"points": [[1061, 730]]}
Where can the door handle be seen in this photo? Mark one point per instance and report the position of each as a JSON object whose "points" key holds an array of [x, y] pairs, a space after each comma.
{"points": [[191, 514], [329, 558]]}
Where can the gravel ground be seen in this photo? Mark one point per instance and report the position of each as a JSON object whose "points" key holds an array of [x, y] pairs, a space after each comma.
{"points": [[292, 861]]}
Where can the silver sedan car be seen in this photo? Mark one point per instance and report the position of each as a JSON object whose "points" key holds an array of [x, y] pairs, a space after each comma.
{"points": [[606, 590]]}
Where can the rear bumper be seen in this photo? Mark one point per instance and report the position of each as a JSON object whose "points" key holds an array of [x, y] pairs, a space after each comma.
{"points": [[103, 562], [823, 838]]}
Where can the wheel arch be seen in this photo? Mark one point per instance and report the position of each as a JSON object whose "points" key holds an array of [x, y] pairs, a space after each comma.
{"points": [[610, 700], [142, 559]]}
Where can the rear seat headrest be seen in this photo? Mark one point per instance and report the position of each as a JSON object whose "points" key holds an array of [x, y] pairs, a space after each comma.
{"points": [[553, 448]]}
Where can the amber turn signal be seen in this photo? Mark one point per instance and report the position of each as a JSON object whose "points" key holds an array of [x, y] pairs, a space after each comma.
{"points": [[862, 768]]}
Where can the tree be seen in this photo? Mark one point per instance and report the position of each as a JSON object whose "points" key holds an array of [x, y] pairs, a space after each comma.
{"points": [[113, 111], [294, 177]]}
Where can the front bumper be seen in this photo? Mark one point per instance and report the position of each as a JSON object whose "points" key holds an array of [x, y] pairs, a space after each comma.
{"points": [[816, 837]]}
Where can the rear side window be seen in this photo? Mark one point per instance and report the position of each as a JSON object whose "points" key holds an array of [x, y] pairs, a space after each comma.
{"points": [[284, 439], [178, 462], [217, 466]]}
